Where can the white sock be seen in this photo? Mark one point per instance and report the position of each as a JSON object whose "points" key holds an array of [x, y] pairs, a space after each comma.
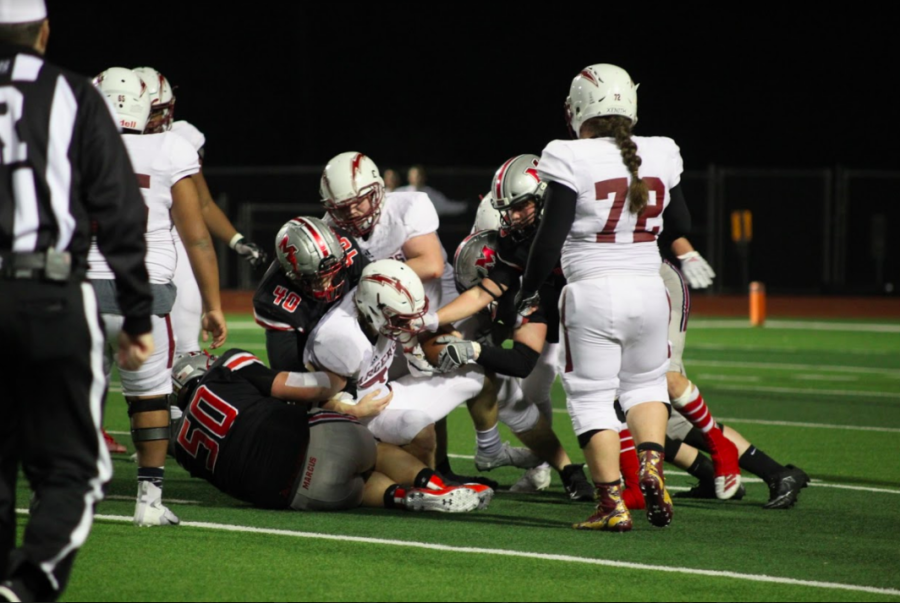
{"points": [[489, 441]]}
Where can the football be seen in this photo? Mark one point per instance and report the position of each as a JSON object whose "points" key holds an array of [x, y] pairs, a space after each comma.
{"points": [[431, 349]]}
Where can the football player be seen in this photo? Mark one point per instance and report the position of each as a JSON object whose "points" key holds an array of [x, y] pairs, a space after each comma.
{"points": [[357, 340], [164, 164], [272, 439], [316, 265]]}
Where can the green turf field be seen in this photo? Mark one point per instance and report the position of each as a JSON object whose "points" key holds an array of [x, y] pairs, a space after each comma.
{"points": [[823, 396]]}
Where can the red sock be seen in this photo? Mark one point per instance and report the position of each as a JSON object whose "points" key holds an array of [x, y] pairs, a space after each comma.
{"points": [[628, 461], [694, 409]]}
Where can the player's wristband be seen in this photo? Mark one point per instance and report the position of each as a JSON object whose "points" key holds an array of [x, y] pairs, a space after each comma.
{"points": [[234, 240]]}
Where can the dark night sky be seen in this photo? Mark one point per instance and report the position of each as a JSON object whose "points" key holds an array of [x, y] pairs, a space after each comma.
{"points": [[473, 86]]}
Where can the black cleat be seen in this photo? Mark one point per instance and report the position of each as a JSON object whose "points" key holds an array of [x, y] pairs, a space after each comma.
{"points": [[785, 488], [707, 489], [576, 483]]}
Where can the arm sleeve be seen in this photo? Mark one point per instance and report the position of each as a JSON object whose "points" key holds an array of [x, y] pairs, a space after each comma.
{"points": [[676, 217], [559, 215], [517, 362], [115, 204]]}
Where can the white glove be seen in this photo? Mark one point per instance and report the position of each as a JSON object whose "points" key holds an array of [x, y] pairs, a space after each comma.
{"points": [[418, 364], [696, 270], [429, 322]]}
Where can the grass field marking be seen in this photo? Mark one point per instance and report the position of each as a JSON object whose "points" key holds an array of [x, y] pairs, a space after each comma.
{"points": [[520, 554], [746, 378], [718, 347], [812, 425], [804, 391], [780, 366], [563, 411], [809, 377], [796, 325]]}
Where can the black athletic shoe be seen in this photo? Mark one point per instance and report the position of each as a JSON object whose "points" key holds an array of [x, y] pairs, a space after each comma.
{"points": [[785, 488], [576, 483]]}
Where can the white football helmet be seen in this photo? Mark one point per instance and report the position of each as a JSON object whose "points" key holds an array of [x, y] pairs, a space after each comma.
{"points": [[599, 90], [474, 258], [349, 180], [486, 217], [312, 256], [128, 95], [162, 99], [517, 181], [391, 299]]}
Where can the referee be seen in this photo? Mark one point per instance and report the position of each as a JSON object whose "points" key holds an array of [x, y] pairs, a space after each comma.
{"points": [[64, 174]]}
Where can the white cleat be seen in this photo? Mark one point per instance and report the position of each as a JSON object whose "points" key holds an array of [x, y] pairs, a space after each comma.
{"points": [[534, 480], [508, 456], [149, 510], [727, 485], [455, 499]]}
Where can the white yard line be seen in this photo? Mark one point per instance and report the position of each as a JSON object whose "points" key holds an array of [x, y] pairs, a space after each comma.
{"points": [[806, 391], [828, 378], [811, 425], [522, 555], [801, 325], [707, 377], [780, 366]]}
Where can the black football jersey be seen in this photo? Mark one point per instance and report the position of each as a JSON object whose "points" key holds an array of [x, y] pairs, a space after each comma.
{"points": [[236, 436], [279, 304], [513, 257]]}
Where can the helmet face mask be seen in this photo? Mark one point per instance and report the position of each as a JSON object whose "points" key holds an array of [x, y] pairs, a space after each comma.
{"points": [[162, 100], [128, 95], [352, 192], [515, 184], [600, 90], [312, 256], [391, 300]]}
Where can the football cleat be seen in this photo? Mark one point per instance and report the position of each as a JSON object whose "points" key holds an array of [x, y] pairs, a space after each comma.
{"points": [[485, 494], [455, 499], [534, 480], [611, 515], [724, 456], [508, 456], [707, 490], [576, 483], [653, 485], [149, 510], [785, 487]]}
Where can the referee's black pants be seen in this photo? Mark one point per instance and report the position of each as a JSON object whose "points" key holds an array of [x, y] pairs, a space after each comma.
{"points": [[51, 406]]}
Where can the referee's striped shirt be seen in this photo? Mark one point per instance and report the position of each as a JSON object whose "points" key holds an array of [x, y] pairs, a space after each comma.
{"points": [[64, 171]]}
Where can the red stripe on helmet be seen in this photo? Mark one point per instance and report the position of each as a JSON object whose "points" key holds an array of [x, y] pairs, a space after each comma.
{"points": [[501, 174], [316, 237], [586, 74]]}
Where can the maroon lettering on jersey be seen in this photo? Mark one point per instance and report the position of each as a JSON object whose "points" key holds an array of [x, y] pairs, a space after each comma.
{"points": [[310, 469], [377, 378], [143, 180]]}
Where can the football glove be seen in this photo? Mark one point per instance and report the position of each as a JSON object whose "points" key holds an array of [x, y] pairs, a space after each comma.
{"points": [[251, 252], [696, 270], [456, 353]]}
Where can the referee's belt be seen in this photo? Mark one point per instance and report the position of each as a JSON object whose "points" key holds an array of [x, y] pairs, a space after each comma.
{"points": [[50, 265]]}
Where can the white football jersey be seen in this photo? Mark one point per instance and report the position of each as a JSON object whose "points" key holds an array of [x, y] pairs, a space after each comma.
{"points": [[338, 344], [197, 140], [405, 215], [190, 133], [159, 161], [605, 236]]}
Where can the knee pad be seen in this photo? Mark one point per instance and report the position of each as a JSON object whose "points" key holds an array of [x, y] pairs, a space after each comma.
{"points": [[137, 405]]}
